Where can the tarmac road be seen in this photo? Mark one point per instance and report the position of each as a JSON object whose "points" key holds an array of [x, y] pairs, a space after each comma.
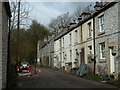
{"points": [[46, 78]]}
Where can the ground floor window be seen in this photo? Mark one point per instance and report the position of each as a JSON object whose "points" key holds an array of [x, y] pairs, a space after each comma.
{"points": [[102, 50]]}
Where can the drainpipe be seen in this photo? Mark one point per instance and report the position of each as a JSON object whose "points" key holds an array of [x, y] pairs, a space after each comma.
{"points": [[94, 44], [8, 54]]}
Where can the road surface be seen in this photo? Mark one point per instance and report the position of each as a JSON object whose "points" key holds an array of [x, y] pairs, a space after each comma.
{"points": [[47, 78]]}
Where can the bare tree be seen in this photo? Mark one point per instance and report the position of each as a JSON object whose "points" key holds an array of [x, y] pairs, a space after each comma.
{"points": [[80, 10], [24, 14], [60, 21]]}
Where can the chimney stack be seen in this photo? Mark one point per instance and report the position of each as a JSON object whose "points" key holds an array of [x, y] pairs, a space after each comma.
{"points": [[84, 15], [98, 6], [45, 39]]}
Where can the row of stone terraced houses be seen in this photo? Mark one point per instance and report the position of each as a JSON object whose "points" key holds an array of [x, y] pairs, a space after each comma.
{"points": [[5, 16], [95, 41]]}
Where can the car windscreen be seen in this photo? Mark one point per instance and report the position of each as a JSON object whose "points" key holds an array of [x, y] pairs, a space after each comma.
{"points": [[24, 63]]}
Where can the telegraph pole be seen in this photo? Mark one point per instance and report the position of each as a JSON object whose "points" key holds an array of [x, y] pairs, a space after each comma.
{"points": [[18, 28]]}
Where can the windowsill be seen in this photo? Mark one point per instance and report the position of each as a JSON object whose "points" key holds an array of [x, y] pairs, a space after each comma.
{"points": [[102, 61], [101, 33], [90, 61], [90, 37], [76, 43]]}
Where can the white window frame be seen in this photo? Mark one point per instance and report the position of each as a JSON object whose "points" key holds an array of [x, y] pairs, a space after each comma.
{"points": [[89, 29], [90, 49], [101, 23], [102, 51], [70, 55], [60, 43], [70, 38], [63, 42], [76, 35]]}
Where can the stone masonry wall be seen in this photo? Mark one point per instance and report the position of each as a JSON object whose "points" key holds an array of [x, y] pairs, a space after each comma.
{"points": [[0, 45], [111, 34], [119, 40], [3, 44]]}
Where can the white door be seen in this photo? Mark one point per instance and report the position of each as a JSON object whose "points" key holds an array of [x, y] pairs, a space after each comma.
{"points": [[112, 68]]}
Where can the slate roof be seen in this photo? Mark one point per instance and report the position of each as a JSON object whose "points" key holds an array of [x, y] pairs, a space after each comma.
{"points": [[42, 44], [64, 32]]}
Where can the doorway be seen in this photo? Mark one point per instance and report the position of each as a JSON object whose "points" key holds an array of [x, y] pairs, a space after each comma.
{"points": [[82, 57], [112, 62]]}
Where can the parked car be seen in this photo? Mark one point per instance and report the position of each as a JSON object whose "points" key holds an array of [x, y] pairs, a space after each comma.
{"points": [[24, 67]]}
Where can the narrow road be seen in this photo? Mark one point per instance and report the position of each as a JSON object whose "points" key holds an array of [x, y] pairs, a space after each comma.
{"points": [[56, 79]]}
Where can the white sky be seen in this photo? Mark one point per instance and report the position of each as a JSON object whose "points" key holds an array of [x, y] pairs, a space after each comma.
{"points": [[44, 12]]}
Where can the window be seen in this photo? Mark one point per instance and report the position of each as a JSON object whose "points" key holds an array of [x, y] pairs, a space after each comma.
{"points": [[76, 36], [60, 43], [70, 39], [102, 50], [81, 33], [76, 53], [89, 29], [70, 55], [101, 23], [63, 42], [90, 50], [82, 55], [63, 57]]}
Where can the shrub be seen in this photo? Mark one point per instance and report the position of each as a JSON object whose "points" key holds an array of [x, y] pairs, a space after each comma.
{"points": [[94, 77]]}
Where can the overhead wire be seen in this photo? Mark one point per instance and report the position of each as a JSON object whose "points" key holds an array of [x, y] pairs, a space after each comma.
{"points": [[41, 12]]}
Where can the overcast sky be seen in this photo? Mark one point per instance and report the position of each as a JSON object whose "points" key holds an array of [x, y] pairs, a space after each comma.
{"points": [[44, 12]]}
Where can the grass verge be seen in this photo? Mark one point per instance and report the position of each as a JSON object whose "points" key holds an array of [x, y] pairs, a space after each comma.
{"points": [[114, 82]]}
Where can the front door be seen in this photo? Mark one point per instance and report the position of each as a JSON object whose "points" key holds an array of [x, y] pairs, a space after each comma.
{"points": [[82, 55], [112, 66]]}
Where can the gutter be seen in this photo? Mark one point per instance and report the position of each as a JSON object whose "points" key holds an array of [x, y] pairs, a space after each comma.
{"points": [[94, 44]]}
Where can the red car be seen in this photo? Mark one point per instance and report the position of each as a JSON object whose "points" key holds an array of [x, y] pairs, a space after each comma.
{"points": [[24, 67]]}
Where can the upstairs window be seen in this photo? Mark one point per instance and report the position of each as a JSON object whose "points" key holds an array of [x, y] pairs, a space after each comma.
{"points": [[101, 23], [70, 39], [70, 55], [76, 36], [63, 42], [60, 43], [89, 30]]}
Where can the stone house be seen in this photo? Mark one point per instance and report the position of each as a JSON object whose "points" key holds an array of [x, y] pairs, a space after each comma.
{"points": [[45, 51], [101, 45], [107, 42], [42, 52], [93, 41], [5, 16], [86, 44], [58, 48], [73, 47], [51, 50]]}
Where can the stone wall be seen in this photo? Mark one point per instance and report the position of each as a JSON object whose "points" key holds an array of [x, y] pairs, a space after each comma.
{"points": [[51, 52], [110, 36], [119, 40], [3, 45], [0, 45]]}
